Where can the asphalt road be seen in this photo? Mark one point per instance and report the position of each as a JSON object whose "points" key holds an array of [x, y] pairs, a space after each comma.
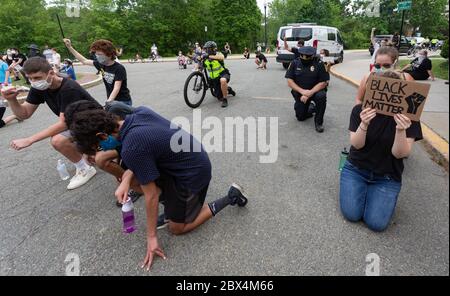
{"points": [[291, 226]]}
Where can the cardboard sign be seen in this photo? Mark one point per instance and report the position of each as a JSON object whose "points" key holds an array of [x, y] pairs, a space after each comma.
{"points": [[392, 96]]}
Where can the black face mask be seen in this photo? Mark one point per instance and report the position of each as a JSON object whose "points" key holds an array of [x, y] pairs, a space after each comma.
{"points": [[306, 62], [211, 51]]}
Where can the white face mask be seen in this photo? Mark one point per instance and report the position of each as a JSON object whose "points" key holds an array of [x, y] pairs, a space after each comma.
{"points": [[41, 84], [102, 59]]}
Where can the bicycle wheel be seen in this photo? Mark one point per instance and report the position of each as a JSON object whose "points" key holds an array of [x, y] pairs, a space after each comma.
{"points": [[195, 90]]}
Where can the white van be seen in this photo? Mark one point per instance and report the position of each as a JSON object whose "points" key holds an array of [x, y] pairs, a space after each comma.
{"points": [[320, 37]]}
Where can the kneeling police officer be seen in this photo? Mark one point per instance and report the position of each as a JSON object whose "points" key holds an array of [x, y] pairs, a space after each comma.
{"points": [[308, 79]]}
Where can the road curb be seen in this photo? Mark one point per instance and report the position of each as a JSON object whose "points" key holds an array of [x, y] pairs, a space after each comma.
{"points": [[85, 85], [433, 142], [174, 60]]}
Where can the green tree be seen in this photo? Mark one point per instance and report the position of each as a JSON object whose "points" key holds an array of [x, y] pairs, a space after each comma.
{"points": [[237, 22]]}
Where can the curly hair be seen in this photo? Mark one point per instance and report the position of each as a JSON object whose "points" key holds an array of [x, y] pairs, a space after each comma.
{"points": [[106, 46], [87, 124], [79, 106]]}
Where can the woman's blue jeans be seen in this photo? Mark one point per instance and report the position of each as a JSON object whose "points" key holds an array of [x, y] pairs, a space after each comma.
{"points": [[368, 197]]}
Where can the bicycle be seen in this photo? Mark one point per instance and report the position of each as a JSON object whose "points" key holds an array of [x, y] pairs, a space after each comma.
{"points": [[197, 84], [155, 58], [136, 60]]}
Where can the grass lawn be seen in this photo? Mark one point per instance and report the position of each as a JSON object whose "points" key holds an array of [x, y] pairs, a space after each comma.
{"points": [[440, 67]]}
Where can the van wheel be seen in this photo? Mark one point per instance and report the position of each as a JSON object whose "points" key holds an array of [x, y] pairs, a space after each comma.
{"points": [[341, 58], [286, 65]]}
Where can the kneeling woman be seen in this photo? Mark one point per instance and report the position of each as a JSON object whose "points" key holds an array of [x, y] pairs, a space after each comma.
{"points": [[372, 176]]}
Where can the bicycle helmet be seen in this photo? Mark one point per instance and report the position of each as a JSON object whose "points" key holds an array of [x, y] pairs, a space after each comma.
{"points": [[210, 44]]}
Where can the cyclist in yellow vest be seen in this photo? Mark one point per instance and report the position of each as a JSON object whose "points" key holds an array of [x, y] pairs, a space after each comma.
{"points": [[213, 62]]}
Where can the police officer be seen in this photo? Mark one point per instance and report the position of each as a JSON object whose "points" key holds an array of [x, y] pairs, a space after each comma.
{"points": [[308, 80], [214, 64]]}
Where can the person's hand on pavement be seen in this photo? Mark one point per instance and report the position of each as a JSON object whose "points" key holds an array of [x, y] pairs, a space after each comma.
{"points": [[153, 249]]}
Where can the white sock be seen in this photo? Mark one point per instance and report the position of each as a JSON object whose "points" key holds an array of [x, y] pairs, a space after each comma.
{"points": [[81, 165]]}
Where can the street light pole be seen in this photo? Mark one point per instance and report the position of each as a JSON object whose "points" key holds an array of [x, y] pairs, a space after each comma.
{"points": [[401, 28], [265, 24]]}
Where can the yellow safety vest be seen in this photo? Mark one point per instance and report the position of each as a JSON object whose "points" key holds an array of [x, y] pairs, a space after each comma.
{"points": [[214, 68]]}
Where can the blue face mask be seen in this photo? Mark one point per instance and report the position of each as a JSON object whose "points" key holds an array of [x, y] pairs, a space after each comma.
{"points": [[110, 143]]}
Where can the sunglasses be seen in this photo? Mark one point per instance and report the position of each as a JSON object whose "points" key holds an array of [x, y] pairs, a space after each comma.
{"points": [[379, 66]]}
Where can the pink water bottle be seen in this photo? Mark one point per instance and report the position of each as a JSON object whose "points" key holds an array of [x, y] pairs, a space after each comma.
{"points": [[128, 217]]}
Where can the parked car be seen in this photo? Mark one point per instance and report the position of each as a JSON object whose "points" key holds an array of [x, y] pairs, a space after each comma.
{"points": [[404, 43], [320, 37]]}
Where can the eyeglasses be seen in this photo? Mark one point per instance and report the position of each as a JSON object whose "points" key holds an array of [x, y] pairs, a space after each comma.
{"points": [[379, 66]]}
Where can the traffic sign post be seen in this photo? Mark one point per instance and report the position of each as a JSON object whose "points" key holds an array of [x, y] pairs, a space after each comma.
{"points": [[403, 6]]}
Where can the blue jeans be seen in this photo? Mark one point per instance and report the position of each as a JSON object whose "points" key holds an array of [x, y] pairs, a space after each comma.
{"points": [[368, 197], [129, 103]]}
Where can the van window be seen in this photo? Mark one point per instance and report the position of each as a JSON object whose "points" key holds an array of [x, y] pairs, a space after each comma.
{"points": [[322, 34], [339, 38], [331, 35], [298, 33], [282, 33]]}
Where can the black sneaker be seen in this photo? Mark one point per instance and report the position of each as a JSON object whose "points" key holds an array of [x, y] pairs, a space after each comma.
{"points": [[162, 222], [319, 128], [236, 194], [133, 195], [232, 92], [224, 103]]}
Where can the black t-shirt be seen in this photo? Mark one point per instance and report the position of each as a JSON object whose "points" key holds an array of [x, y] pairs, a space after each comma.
{"points": [[376, 155], [307, 76], [58, 99], [420, 70], [111, 74], [19, 56], [9, 60], [262, 58]]}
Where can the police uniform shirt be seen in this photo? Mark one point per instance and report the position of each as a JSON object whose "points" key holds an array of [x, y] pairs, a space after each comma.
{"points": [[309, 76]]}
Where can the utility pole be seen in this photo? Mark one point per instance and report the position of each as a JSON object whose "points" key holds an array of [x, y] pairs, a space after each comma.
{"points": [[265, 24]]}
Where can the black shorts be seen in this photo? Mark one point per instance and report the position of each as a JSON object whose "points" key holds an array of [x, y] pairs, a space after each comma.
{"points": [[180, 204], [225, 74]]}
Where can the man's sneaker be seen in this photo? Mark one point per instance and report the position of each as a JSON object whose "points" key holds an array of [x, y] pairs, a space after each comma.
{"points": [[133, 195], [236, 194], [224, 103], [162, 222], [232, 92], [81, 177]]}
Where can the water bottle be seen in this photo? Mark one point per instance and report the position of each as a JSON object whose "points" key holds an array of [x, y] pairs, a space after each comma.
{"points": [[128, 217], [62, 170], [343, 159]]}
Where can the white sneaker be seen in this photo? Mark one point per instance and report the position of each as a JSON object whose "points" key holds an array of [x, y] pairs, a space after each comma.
{"points": [[81, 178]]}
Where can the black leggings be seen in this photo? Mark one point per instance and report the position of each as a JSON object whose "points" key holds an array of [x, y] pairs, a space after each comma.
{"points": [[2, 112]]}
